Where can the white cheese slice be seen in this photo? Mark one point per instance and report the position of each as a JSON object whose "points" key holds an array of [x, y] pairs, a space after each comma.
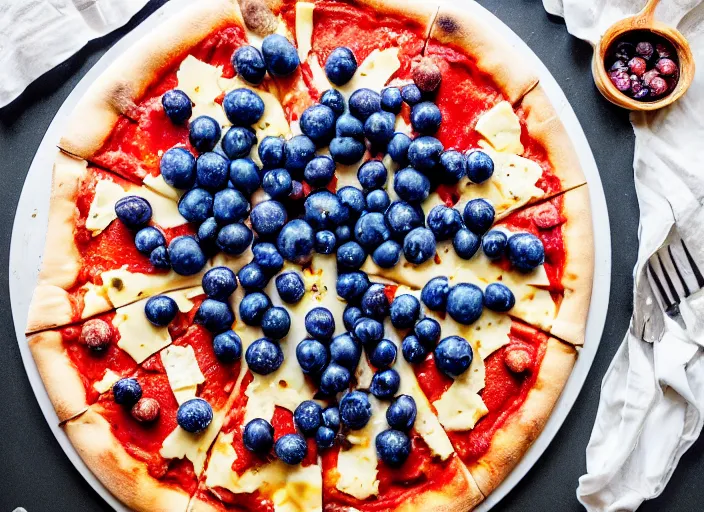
{"points": [[157, 184], [501, 128], [304, 28], [123, 287], [138, 336], [107, 382], [179, 443], [182, 371], [182, 297], [199, 81], [376, 70], [459, 408], [94, 300]]}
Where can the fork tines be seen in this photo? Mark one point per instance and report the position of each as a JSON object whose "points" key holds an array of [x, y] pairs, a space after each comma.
{"points": [[675, 275]]}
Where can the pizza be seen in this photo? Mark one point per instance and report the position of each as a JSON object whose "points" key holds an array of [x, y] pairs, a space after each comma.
{"points": [[312, 255]]}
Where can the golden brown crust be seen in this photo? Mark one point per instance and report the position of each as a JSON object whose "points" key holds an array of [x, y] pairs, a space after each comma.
{"points": [[464, 29], [571, 320], [121, 85], [513, 439], [61, 379], [125, 477], [545, 127]]}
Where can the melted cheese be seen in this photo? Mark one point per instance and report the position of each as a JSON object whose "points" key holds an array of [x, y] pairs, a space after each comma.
{"points": [[374, 72], [199, 81], [304, 28], [179, 443], [138, 336], [94, 300], [501, 128], [108, 380], [182, 370], [123, 287], [158, 185]]}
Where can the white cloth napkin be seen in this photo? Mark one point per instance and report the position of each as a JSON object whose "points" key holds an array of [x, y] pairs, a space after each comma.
{"points": [[36, 35], [652, 397]]}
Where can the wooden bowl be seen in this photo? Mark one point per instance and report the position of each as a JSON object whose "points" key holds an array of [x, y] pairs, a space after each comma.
{"points": [[643, 21]]}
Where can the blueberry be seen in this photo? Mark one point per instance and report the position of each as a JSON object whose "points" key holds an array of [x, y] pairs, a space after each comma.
{"points": [[229, 205], [208, 233], [186, 256], [334, 99], [312, 356], [340, 65], [264, 356], [268, 217], [290, 287], [308, 416], [271, 152], [435, 292], [350, 316], [318, 123], [368, 331], [244, 175], [525, 251], [134, 211], [147, 239], [349, 126], [203, 133], [372, 174], [355, 410], [353, 199], [378, 201], [159, 257], [258, 436], [494, 244], [343, 234], [252, 308], [404, 311], [280, 55], [351, 286], [249, 64], [453, 355], [194, 415], [498, 297], [277, 183], [324, 438], [196, 205], [243, 107], [419, 245], [364, 102], [388, 254], [464, 303], [402, 218], [345, 351], [334, 379], [215, 316], [350, 256], [375, 303], [411, 186], [227, 346], [427, 331], [444, 222], [466, 243], [331, 418], [295, 241], [383, 355], [385, 384], [319, 171], [291, 448], [238, 142], [393, 447], [219, 283], [178, 168], [252, 277], [398, 148], [160, 310], [127, 392], [177, 106], [401, 414], [379, 128], [424, 153], [480, 166], [411, 94], [298, 151], [453, 167], [478, 216], [234, 238], [324, 210], [325, 242], [267, 257], [212, 171], [346, 150], [391, 100], [413, 350], [426, 117], [320, 323], [371, 230]]}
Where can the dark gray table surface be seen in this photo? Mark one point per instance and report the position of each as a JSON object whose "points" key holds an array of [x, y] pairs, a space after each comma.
{"points": [[38, 476]]}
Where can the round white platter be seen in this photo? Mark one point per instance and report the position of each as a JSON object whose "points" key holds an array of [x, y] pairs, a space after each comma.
{"points": [[31, 219]]}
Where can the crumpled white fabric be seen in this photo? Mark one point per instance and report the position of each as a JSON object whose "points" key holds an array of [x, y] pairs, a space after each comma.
{"points": [[36, 35], [652, 397]]}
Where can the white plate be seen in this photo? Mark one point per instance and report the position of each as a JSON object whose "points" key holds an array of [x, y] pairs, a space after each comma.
{"points": [[31, 219]]}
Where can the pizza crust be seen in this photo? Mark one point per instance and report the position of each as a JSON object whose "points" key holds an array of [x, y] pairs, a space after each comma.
{"points": [[513, 439], [118, 88], [460, 27], [125, 477]]}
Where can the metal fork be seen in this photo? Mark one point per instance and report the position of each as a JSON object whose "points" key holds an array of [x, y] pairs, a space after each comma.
{"points": [[681, 275]]}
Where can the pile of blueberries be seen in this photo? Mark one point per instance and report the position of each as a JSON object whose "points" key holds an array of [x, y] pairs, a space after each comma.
{"points": [[353, 223]]}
